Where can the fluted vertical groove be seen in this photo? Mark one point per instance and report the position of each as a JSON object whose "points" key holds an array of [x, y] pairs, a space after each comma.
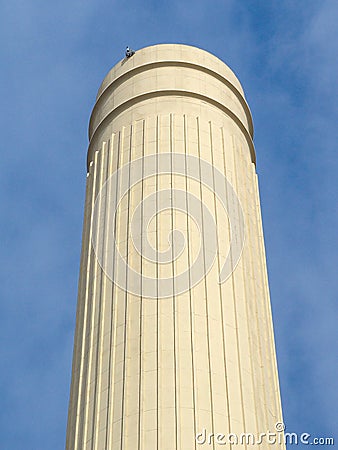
{"points": [[111, 378], [191, 310], [157, 439]]}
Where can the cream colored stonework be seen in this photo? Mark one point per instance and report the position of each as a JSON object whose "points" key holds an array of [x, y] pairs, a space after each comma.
{"points": [[150, 374]]}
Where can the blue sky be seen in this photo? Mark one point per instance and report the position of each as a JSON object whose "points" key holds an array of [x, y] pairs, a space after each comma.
{"points": [[54, 55]]}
